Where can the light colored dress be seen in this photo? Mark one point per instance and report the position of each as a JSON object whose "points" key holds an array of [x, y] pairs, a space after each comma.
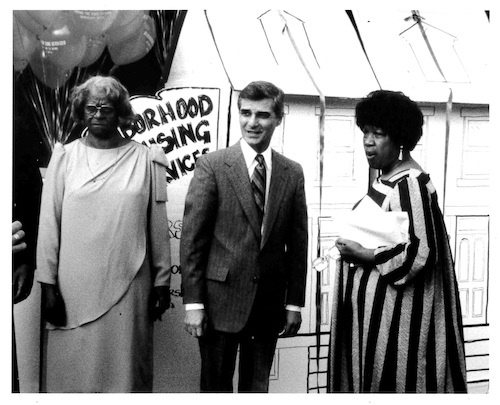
{"points": [[103, 238], [397, 326]]}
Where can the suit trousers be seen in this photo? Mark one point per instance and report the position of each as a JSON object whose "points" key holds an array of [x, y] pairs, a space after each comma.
{"points": [[218, 360], [15, 369]]}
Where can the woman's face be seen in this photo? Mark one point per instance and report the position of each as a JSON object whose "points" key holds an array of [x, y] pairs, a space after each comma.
{"points": [[381, 151], [100, 115]]}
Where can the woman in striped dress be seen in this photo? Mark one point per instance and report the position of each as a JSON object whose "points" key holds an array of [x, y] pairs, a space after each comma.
{"points": [[396, 318]]}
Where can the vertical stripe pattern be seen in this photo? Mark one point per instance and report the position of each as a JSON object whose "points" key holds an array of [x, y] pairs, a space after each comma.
{"points": [[259, 185], [397, 326]]}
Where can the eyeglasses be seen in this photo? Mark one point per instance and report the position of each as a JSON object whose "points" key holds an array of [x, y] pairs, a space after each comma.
{"points": [[321, 263], [91, 109]]}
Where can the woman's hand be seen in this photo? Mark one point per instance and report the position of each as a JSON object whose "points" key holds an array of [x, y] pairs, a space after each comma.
{"points": [[354, 252], [53, 309], [159, 302]]}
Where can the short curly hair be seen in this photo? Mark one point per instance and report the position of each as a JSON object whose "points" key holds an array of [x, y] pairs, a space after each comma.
{"points": [[260, 90], [112, 89], [395, 113]]}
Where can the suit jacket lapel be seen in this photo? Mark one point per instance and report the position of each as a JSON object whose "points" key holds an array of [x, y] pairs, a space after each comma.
{"points": [[237, 173], [276, 192]]}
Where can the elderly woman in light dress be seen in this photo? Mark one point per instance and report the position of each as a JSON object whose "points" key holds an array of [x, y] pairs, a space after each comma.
{"points": [[103, 249]]}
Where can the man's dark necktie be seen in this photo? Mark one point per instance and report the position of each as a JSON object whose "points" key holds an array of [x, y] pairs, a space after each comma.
{"points": [[259, 185]]}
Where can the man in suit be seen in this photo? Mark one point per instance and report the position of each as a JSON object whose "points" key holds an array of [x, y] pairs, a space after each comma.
{"points": [[244, 249], [26, 195]]}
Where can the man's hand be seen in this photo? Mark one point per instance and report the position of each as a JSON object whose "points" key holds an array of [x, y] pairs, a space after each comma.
{"points": [[53, 309], [293, 321], [159, 302], [22, 281], [17, 237], [195, 322]]}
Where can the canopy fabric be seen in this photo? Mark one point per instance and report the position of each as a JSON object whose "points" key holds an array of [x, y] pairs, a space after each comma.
{"points": [[278, 45]]}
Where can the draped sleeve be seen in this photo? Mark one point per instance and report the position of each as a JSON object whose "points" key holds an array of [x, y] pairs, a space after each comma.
{"points": [[159, 241], [49, 232], [399, 264]]}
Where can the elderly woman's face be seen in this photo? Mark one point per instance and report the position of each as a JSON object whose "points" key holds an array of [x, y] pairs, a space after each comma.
{"points": [[100, 115], [381, 151]]}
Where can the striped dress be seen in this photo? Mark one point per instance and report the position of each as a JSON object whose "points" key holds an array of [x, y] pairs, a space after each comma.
{"points": [[397, 327]]}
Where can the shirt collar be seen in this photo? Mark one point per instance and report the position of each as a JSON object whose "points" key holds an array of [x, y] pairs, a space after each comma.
{"points": [[249, 154]]}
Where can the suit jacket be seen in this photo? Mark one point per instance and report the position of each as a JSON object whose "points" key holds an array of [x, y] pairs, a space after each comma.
{"points": [[226, 263], [26, 195]]}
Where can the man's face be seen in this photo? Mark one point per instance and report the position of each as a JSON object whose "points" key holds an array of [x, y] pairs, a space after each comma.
{"points": [[257, 122]]}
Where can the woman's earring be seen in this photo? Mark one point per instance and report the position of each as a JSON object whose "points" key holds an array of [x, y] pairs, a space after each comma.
{"points": [[400, 153]]}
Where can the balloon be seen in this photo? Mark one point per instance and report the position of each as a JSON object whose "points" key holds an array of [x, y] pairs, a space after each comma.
{"points": [[28, 22], [20, 64], [24, 44], [44, 17], [48, 72], [95, 47], [60, 45], [118, 33], [135, 45], [125, 18], [93, 22]]}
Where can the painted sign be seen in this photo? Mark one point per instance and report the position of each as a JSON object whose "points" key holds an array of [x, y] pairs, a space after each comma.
{"points": [[183, 121]]}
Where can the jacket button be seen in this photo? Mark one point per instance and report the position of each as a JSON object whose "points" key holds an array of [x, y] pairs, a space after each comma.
{"points": [[255, 279]]}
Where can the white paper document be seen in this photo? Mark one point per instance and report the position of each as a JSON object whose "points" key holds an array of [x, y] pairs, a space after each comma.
{"points": [[372, 227]]}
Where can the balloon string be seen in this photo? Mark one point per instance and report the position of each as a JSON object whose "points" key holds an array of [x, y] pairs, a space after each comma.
{"points": [[39, 108], [52, 109]]}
